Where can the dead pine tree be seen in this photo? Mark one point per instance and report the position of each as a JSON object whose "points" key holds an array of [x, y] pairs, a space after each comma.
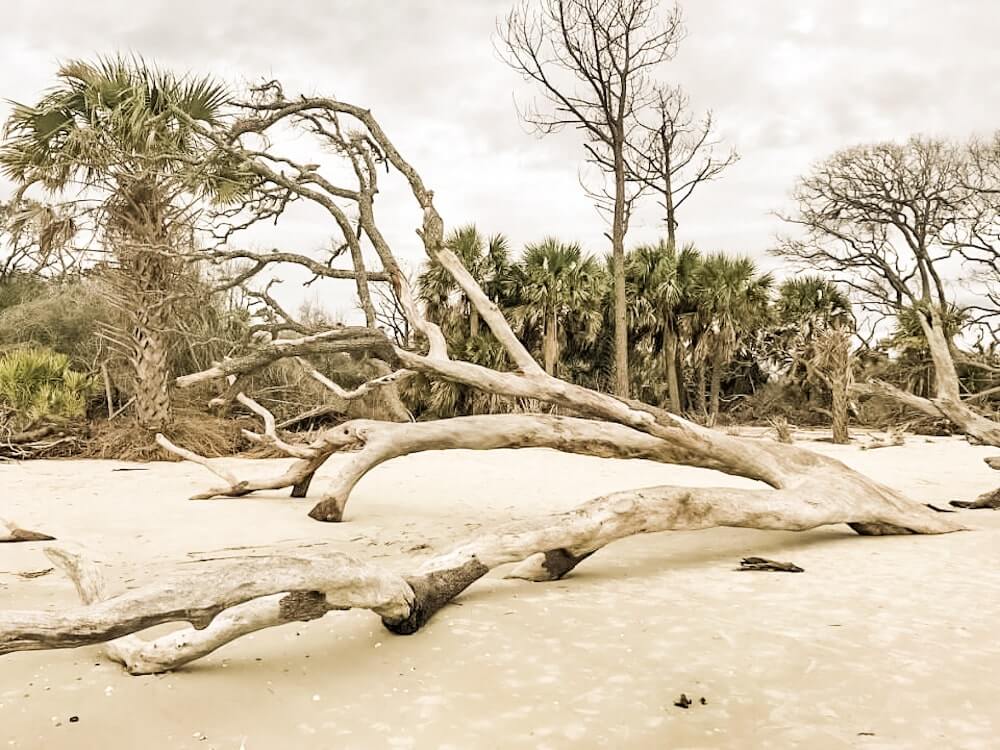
{"points": [[798, 490], [592, 61], [675, 153]]}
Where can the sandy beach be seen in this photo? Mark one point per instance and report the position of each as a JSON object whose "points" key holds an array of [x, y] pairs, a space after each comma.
{"points": [[881, 642]]}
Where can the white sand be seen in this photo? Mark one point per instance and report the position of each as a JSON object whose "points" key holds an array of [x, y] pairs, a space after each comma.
{"points": [[895, 636]]}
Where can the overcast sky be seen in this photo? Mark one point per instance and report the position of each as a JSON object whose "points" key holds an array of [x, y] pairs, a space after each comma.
{"points": [[789, 81]]}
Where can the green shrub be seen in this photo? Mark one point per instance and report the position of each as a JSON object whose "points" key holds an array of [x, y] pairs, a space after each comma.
{"points": [[39, 384]]}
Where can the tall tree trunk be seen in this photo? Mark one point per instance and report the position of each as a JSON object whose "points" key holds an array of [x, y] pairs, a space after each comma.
{"points": [[152, 375], [948, 401], [668, 189], [670, 367], [618, 261], [717, 366], [550, 343]]}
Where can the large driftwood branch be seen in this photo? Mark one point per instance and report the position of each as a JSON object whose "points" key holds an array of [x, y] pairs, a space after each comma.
{"points": [[666, 437], [946, 407], [235, 596], [373, 442]]}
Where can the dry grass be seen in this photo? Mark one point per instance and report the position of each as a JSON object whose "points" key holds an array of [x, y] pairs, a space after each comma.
{"points": [[123, 439], [782, 429]]}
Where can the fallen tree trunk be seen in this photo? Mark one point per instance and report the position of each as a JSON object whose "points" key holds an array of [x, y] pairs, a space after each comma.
{"points": [[373, 443], [239, 595]]}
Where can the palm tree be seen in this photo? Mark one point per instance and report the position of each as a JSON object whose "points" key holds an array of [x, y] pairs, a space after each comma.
{"points": [[732, 303], [560, 290], [660, 280], [811, 302], [124, 132], [814, 324], [488, 262]]}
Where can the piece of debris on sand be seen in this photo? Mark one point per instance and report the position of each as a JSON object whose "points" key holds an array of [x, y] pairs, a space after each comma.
{"points": [[762, 563]]}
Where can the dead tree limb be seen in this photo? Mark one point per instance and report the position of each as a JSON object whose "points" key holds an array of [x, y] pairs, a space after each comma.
{"points": [[347, 339]]}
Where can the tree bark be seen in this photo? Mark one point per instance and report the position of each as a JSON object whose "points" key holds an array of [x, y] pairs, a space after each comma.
{"points": [[701, 387], [550, 342], [473, 321], [839, 410], [152, 375]]}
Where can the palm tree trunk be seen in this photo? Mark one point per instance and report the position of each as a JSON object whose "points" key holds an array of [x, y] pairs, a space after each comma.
{"points": [[838, 392], [700, 395], [152, 398], [670, 362], [717, 365], [550, 344], [681, 380], [473, 321]]}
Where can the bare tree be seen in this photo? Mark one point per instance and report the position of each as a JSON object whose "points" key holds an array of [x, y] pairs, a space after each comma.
{"points": [[676, 154], [894, 222], [592, 60]]}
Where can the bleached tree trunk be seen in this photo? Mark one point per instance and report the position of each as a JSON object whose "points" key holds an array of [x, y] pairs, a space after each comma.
{"points": [[946, 401]]}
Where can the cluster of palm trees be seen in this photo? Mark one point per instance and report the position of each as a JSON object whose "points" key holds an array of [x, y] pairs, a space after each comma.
{"points": [[702, 326]]}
